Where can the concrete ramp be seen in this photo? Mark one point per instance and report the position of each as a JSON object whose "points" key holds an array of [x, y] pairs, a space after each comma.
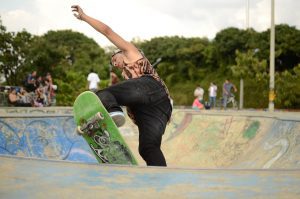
{"points": [[194, 139], [43, 136], [231, 139], [36, 178]]}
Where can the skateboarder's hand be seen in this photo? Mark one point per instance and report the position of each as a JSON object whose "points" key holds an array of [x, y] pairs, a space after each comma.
{"points": [[78, 12]]}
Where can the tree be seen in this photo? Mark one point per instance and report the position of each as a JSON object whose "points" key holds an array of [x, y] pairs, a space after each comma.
{"points": [[68, 56], [13, 54], [248, 66], [287, 48], [5, 46], [226, 42], [288, 88]]}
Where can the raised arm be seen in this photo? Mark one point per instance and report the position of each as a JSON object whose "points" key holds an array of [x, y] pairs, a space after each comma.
{"points": [[128, 48]]}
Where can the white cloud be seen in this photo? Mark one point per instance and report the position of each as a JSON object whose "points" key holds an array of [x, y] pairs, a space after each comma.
{"points": [[145, 19], [18, 19]]}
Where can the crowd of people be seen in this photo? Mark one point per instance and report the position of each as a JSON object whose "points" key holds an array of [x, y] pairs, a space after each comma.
{"points": [[199, 102], [36, 91], [39, 91]]}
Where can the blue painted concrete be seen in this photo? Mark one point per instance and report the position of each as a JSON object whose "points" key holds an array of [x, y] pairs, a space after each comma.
{"points": [[43, 137]]}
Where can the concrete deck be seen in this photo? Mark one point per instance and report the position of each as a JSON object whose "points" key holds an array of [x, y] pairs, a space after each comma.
{"points": [[35, 178]]}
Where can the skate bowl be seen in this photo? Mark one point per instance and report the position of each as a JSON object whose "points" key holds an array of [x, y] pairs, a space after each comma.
{"points": [[226, 154]]}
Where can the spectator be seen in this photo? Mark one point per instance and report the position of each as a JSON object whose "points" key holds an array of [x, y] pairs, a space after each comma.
{"points": [[227, 86], [197, 105], [30, 81], [212, 94], [14, 99], [113, 78], [39, 100], [49, 78], [51, 90], [24, 96], [46, 90], [199, 93], [93, 80], [39, 82]]}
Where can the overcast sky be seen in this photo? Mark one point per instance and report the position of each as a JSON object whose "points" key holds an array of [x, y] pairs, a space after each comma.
{"points": [[145, 19]]}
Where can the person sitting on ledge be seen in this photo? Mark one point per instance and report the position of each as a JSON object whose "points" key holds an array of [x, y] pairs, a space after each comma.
{"points": [[15, 100]]}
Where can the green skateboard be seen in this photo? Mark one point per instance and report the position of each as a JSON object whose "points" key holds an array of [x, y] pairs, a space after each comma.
{"points": [[99, 130]]}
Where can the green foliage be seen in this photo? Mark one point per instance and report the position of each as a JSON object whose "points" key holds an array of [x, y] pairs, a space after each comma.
{"points": [[287, 48], [182, 94], [256, 91], [288, 89], [13, 54], [227, 41], [69, 87], [247, 65]]}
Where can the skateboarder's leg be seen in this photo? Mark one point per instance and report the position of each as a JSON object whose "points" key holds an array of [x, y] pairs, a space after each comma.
{"points": [[152, 121], [132, 92], [149, 145], [125, 93], [110, 103]]}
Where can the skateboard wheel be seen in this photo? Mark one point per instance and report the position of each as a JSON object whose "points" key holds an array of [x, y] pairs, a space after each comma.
{"points": [[79, 131], [100, 116]]}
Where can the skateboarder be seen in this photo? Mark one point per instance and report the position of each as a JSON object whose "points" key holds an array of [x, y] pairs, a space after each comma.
{"points": [[143, 93]]}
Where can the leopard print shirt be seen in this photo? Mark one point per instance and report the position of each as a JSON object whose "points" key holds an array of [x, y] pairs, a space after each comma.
{"points": [[139, 68]]}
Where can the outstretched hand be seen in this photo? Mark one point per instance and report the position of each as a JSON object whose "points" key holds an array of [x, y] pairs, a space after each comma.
{"points": [[78, 12]]}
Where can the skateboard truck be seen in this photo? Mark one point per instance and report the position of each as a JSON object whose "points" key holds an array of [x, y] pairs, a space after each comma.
{"points": [[90, 125]]}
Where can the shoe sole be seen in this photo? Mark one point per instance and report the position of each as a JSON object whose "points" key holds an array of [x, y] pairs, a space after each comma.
{"points": [[118, 119]]}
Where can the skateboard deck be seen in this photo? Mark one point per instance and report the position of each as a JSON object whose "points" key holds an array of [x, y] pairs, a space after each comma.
{"points": [[99, 130]]}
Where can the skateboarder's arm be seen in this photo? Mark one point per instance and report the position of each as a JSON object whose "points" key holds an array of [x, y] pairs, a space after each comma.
{"points": [[128, 48]]}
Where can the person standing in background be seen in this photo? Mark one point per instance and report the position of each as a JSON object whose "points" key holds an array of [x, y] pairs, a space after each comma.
{"points": [[30, 82], [93, 81], [227, 86], [212, 90]]}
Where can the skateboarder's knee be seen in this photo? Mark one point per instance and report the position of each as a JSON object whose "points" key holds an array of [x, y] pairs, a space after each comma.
{"points": [[104, 95], [108, 101]]}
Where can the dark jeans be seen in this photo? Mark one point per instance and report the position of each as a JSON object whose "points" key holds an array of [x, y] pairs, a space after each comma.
{"points": [[151, 108], [212, 102]]}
